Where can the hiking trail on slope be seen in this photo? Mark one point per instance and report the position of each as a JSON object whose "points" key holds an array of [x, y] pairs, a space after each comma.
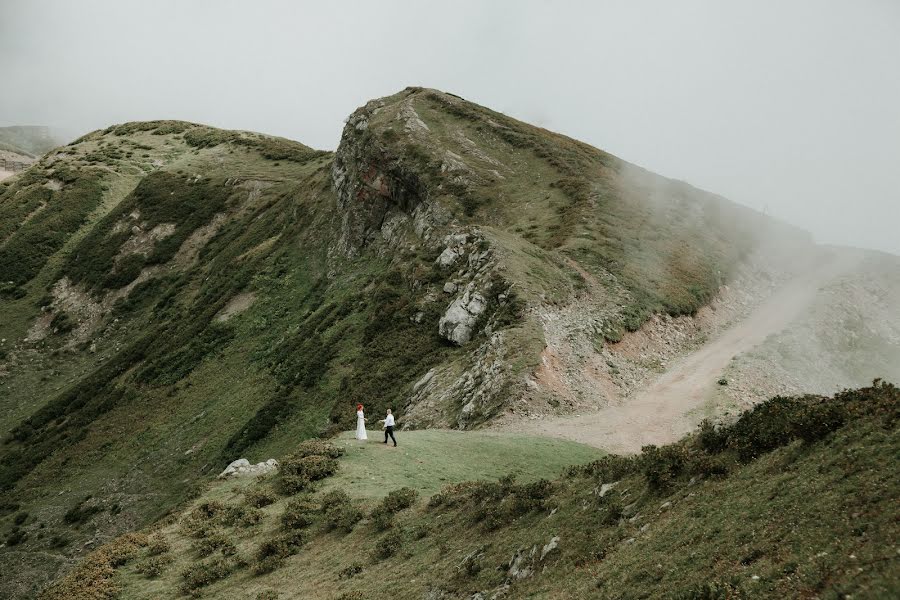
{"points": [[666, 409]]}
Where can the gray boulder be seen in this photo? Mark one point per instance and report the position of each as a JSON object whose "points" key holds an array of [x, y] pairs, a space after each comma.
{"points": [[458, 322], [242, 468]]}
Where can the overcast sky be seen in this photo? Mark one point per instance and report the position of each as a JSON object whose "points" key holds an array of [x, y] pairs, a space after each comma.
{"points": [[792, 107]]}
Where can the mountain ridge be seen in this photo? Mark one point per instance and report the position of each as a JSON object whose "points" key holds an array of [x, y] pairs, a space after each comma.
{"points": [[179, 296]]}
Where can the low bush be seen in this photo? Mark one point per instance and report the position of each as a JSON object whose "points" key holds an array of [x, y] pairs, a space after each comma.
{"points": [[259, 497], [270, 554], [662, 465], [390, 544], [339, 512], [16, 536], [202, 574], [351, 570], [343, 517], [157, 545], [383, 514], [315, 447], [215, 541], [81, 512], [154, 566], [298, 514], [297, 472]]}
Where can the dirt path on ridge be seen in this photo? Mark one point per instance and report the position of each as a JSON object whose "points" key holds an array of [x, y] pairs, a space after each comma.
{"points": [[661, 413]]}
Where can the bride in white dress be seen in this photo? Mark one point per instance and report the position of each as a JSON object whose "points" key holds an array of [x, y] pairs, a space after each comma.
{"points": [[360, 423]]}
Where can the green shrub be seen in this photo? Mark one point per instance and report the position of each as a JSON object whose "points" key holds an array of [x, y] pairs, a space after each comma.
{"points": [[157, 545], [215, 541], [202, 574], [710, 439], [154, 566], [333, 498], [80, 513], [314, 447], [62, 323], [298, 472], [662, 465], [20, 518], [259, 497], [383, 514], [398, 500], [339, 512], [16, 536], [390, 544], [270, 554], [298, 514], [342, 517], [350, 571], [381, 518]]}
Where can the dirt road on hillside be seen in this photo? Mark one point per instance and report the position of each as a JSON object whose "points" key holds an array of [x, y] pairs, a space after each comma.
{"points": [[660, 413]]}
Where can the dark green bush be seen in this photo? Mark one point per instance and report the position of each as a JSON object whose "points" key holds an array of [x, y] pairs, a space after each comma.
{"points": [[298, 471], [202, 574], [390, 544], [62, 323], [80, 513], [711, 440], [351, 570], [270, 554], [298, 514], [339, 512], [16, 536], [662, 465], [214, 541], [259, 497], [314, 447]]}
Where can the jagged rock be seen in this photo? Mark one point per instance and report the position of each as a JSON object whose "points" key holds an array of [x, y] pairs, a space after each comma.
{"points": [[520, 564], [242, 468], [457, 323], [447, 257], [607, 487], [450, 287], [423, 381], [552, 545]]}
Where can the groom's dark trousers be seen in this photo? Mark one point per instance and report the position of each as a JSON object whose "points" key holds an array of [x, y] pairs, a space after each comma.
{"points": [[389, 431]]}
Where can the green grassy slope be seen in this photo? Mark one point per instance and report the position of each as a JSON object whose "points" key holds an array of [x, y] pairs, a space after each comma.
{"points": [[797, 498], [176, 296]]}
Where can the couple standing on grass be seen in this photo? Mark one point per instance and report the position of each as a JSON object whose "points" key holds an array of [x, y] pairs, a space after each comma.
{"points": [[361, 425]]}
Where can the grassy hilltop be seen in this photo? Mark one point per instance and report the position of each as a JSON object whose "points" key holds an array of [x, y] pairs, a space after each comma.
{"points": [[176, 296]]}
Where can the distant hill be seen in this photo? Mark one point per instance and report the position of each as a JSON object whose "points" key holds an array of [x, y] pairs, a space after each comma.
{"points": [[33, 141], [175, 296]]}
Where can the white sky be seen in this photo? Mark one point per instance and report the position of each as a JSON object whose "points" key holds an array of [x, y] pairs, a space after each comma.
{"points": [[789, 106]]}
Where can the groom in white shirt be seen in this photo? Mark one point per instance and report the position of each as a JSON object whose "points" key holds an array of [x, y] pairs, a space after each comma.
{"points": [[389, 428]]}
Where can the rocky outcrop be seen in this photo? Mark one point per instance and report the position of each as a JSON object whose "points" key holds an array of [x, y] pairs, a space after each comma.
{"points": [[376, 190], [463, 313], [242, 468]]}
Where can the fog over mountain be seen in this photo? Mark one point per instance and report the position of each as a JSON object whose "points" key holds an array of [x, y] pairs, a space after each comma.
{"points": [[787, 107]]}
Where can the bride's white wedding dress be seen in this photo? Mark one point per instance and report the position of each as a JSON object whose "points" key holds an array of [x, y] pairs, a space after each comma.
{"points": [[361, 426]]}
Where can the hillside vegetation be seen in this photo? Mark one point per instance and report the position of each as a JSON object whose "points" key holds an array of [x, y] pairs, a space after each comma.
{"points": [[176, 296], [795, 499]]}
